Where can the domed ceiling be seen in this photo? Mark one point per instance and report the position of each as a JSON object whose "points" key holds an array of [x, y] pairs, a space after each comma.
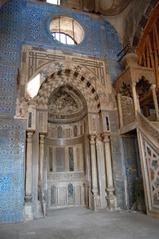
{"points": [[104, 7], [112, 7]]}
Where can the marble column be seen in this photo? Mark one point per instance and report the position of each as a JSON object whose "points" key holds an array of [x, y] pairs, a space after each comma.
{"points": [[41, 170], [41, 161], [135, 97], [111, 200], [28, 176], [94, 190], [101, 171], [120, 110], [153, 88]]}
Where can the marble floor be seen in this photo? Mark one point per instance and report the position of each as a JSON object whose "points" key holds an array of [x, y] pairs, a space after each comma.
{"points": [[80, 223]]}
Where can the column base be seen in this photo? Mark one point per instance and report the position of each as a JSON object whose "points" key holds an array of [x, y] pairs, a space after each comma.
{"points": [[95, 201], [41, 209], [28, 210], [111, 199]]}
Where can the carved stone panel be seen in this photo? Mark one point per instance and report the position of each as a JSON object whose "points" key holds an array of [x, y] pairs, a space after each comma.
{"points": [[128, 113], [152, 159]]}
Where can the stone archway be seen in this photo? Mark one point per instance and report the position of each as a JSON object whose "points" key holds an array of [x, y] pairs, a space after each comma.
{"points": [[67, 170], [73, 78], [85, 185], [98, 189]]}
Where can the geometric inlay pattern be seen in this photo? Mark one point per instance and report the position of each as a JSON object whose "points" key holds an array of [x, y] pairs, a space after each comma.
{"points": [[77, 81], [152, 159]]}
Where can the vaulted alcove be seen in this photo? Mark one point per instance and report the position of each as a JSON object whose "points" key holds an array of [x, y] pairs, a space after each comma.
{"points": [[68, 150], [67, 169]]}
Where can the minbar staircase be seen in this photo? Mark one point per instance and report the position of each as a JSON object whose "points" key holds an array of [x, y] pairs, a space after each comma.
{"points": [[132, 86], [148, 142], [148, 145]]}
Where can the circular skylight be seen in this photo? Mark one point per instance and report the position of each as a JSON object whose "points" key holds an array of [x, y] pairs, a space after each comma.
{"points": [[66, 30]]}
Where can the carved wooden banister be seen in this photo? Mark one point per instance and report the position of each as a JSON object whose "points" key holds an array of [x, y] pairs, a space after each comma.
{"points": [[148, 128], [148, 140]]}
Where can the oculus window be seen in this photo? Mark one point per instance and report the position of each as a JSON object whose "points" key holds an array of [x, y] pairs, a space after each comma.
{"points": [[66, 30]]}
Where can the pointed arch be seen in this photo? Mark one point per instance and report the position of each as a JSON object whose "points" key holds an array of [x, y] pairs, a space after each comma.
{"points": [[74, 79]]}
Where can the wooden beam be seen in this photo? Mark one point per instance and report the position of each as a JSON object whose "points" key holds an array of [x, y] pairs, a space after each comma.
{"points": [[148, 28]]}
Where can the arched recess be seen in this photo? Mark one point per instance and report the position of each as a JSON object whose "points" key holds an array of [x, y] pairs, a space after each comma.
{"points": [[44, 187], [147, 98], [72, 78], [143, 88], [64, 147], [89, 76]]}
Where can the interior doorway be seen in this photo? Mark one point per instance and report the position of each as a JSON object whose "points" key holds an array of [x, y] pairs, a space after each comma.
{"points": [[134, 181]]}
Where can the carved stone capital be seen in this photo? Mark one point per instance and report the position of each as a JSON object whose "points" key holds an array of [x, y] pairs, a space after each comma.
{"points": [[153, 87], [30, 135], [94, 191], [92, 138], [98, 138], [42, 137], [28, 198], [134, 85], [105, 137], [110, 190]]}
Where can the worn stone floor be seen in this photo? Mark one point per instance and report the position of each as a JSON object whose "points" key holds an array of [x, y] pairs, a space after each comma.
{"points": [[76, 223]]}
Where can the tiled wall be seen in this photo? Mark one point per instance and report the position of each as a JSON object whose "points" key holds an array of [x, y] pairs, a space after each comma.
{"points": [[12, 140], [27, 22]]}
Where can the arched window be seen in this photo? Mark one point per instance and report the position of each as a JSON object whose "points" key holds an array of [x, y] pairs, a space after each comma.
{"points": [[66, 30]]}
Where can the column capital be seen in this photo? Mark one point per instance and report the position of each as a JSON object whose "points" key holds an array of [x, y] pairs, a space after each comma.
{"points": [[92, 138], [153, 86], [30, 135], [42, 137], [134, 84], [43, 133], [28, 198], [98, 138], [105, 137], [110, 189], [30, 131]]}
